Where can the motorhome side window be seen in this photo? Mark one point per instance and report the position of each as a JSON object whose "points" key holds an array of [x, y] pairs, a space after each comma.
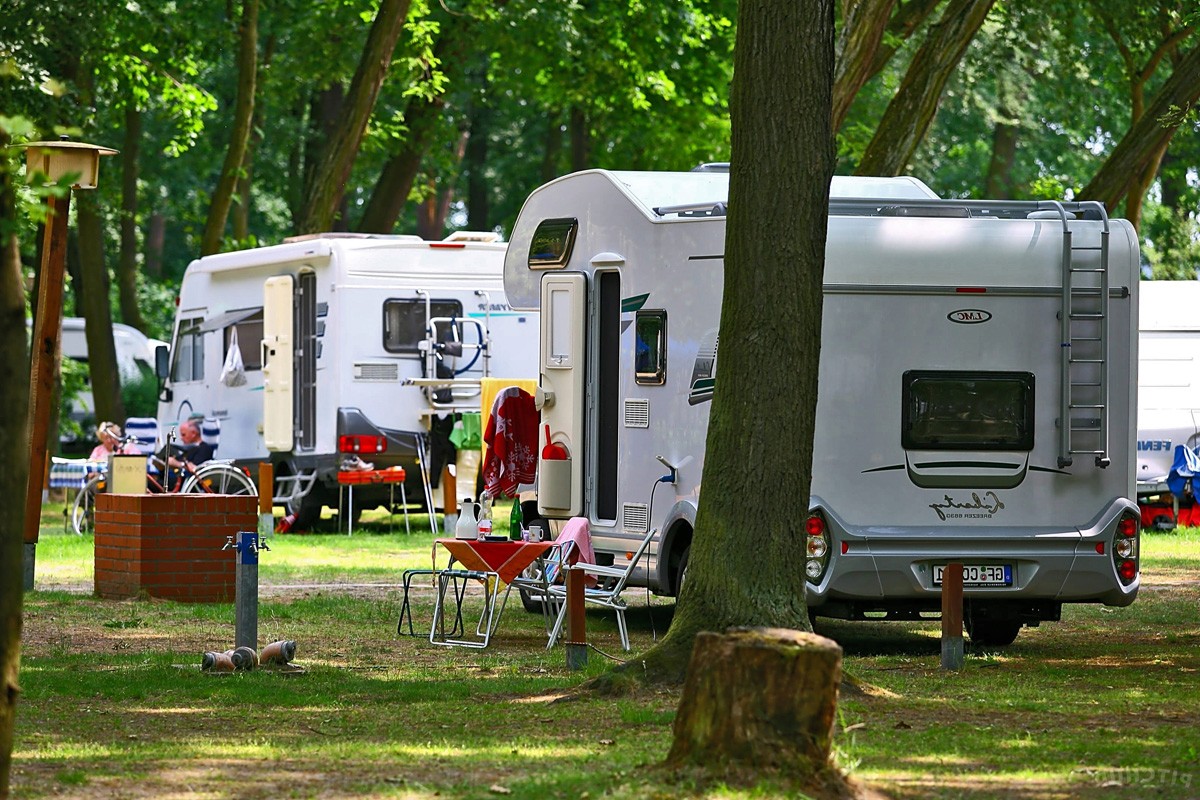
{"points": [[650, 347], [404, 323], [967, 411], [189, 352], [550, 247], [249, 336]]}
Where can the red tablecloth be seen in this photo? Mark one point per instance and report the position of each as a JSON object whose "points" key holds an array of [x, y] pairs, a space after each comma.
{"points": [[507, 559]]}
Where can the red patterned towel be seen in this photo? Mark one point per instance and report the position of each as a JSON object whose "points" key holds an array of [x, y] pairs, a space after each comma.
{"points": [[511, 438]]}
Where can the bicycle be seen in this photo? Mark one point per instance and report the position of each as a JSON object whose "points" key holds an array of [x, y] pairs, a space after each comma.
{"points": [[211, 477]]}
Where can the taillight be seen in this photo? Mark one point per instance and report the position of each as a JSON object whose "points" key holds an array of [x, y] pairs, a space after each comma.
{"points": [[1125, 548], [816, 547], [362, 444]]}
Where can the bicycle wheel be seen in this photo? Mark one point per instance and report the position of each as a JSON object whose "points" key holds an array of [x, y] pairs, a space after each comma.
{"points": [[219, 479], [83, 509]]}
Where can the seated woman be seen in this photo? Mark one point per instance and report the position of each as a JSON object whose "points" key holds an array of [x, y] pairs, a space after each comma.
{"points": [[109, 434]]}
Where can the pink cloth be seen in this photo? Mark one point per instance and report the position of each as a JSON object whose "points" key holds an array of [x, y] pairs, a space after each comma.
{"points": [[579, 533], [512, 439]]}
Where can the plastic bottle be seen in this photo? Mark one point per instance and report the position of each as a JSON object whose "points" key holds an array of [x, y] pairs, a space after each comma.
{"points": [[484, 523], [467, 526], [516, 522]]}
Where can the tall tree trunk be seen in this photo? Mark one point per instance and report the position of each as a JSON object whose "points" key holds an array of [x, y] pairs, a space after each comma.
{"points": [[337, 159], [1172, 179], [999, 181], [156, 238], [245, 182], [780, 103], [909, 16], [97, 314], [553, 151], [911, 112], [243, 116], [580, 141], [127, 260], [390, 194], [1144, 141], [863, 26], [478, 189], [14, 464]]}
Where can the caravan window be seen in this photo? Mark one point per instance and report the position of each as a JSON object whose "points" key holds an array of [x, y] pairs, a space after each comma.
{"points": [[404, 322], [650, 347], [250, 337], [189, 352], [967, 411], [550, 247]]}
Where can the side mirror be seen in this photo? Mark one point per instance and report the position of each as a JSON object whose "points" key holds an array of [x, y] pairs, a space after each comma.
{"points": [[162, 362]]}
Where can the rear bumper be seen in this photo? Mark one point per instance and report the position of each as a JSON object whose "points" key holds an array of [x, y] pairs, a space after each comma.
{"points": [[889, 568]]}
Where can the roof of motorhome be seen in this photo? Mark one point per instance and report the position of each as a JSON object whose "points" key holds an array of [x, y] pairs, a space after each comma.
{"points": [[664, 189], [321, 246], [1168, 305]]}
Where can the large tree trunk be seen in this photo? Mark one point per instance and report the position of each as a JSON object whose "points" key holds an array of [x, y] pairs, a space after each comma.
{"points": [[581, 143], [911, 112], [553, 149], [782, 146], [337, 159], [127, 261], [475, 161], [239, 140], [14, 466], [760, 697], [93, 297], [1147, 138], [863, 26]]}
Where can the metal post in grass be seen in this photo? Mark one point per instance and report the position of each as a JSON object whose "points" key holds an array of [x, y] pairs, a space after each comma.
{"points": [[246, 589], [576, 621], [952, 616]]}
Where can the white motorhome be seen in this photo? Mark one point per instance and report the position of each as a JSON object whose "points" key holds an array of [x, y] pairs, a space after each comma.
{"points": [[1168, 378], [964, 331], [351, 346]]}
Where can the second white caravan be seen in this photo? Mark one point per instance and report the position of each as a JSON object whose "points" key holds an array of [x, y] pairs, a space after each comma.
{"points": [[352, 347], [989, 348]]}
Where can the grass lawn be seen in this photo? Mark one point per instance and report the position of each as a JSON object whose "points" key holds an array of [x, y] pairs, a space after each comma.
{"points": [[1101, 704]]}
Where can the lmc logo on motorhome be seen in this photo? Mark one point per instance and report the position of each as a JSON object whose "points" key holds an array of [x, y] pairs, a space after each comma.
{"points": [[969, 316]]}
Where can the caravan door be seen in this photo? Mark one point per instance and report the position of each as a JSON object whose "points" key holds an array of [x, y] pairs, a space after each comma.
{"points": [[561, 375], [278, 364]]}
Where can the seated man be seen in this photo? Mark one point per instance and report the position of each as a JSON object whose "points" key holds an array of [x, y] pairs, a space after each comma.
{"points": [[194, 451]]}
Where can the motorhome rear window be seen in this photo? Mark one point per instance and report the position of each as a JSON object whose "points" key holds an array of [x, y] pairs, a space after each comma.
{"points": [[967, 411], [551, 245], [650, 347], [404, 322]]}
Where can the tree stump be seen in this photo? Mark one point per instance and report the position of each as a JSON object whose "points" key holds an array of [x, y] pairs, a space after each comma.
{"points": [[762, 697]]}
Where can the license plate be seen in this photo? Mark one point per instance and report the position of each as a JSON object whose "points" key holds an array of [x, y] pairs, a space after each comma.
{"points": [[979, 575]]}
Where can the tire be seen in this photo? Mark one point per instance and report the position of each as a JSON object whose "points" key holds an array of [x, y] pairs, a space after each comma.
{"points": [[681, 572], [219, 479], [308, 509], [84, 507], [993, 632]]}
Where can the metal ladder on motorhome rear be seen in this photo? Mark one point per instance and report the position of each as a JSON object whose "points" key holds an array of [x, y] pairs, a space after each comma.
{"points": [[1084, 404]]}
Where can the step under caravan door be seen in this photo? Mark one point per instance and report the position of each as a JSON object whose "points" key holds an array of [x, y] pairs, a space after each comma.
{"points": [[278, 364], [561, 373]]}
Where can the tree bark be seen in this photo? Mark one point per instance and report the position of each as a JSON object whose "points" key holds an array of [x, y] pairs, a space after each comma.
{"points": [[156, 238], [391, 191], [102, 354], [243, 116], [911, 112], [1147, 137], [759, 697], [475, 160], [14, 465], [580, 140], [782, 146], [863, 26], [553, 149], [337, 158], [131, 314]]}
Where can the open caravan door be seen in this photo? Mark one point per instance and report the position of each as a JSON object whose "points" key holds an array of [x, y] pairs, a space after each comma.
{"points": [[278, 366], [562, 395]]}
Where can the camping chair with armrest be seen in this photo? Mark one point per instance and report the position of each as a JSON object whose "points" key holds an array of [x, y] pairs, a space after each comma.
{"points": [[607, 592], [534, 583]]}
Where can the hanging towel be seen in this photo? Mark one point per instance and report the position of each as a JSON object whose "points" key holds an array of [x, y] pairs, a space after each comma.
{"points": [[579, 533], [511, 437]]}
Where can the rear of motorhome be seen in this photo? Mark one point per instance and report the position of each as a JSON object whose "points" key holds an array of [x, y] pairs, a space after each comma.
{"points": [[990, 349], [352, 347]]}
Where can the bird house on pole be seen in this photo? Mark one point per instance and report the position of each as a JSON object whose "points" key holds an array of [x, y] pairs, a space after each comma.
{"points": [[54, 161]]}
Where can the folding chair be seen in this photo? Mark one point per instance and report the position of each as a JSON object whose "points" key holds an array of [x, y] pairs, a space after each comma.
{"points": [[607, 593], [210, 432]]}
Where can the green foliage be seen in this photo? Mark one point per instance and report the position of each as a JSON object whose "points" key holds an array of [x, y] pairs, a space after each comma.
{"points": [[140, 395], [1171, 243], [75, 382]]}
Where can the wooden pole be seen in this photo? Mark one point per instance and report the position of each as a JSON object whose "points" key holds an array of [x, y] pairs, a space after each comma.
{"points": [[952, 616], [576, 621], [266, 500], [45, 346], [449, 503]]}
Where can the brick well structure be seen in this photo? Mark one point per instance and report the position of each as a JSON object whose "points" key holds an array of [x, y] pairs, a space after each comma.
{"points": [[169, 545]]}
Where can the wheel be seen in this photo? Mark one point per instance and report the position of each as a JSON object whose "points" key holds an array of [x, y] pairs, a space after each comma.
{"points": [[83, 509], [681, 571], [219, 479], [307, 510], [993, 632]]}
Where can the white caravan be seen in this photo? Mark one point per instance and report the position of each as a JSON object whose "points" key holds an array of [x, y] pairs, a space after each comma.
{"points": [[962, 332], [351, 346], [1168, 378]]}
